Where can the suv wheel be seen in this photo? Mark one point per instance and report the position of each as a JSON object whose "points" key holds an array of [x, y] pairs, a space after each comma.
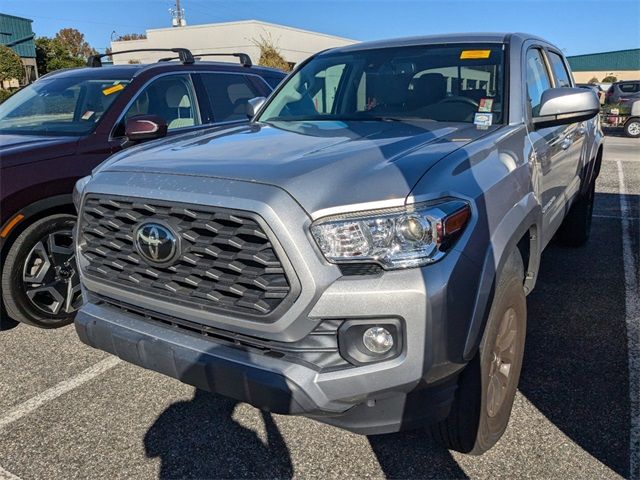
{"points": [[632, 128], [487, 386], [576, 226], [40, 284]]}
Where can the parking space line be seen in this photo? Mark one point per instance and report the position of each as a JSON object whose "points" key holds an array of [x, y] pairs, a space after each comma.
{"points": [[632, 320], [4, 475], [54, 392]]}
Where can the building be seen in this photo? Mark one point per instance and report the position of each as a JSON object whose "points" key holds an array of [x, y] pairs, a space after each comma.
{"points": [[295, 44], [17, 34], [622, 64]]}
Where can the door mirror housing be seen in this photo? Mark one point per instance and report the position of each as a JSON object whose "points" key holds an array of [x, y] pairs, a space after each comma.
{"points": [[253, 105], [564, 105], [145, 127]]}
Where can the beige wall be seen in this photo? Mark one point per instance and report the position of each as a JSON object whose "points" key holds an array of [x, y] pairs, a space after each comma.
{"points": [[295, 44], [584, 77]]}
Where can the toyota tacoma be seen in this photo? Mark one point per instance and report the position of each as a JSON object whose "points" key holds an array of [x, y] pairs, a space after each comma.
{"points": [[361, 251]]}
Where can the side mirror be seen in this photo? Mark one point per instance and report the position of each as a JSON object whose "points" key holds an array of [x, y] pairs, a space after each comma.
{"points": [[564, 105], [145, 127], [253, 105]]}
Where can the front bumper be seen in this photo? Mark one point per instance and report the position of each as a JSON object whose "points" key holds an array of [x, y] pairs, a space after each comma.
{"points": [[267, 383]]}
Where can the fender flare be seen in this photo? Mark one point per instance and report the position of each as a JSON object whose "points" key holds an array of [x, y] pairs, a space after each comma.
{"points": [[36, 208], [527, 216]]}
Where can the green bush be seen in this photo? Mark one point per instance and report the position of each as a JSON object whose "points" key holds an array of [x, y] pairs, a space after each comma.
{"points": [[4, 94], [10, 65]]}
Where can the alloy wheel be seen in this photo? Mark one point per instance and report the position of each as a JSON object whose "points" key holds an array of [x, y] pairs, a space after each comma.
{"points": [[504, 352], [50, 278]]}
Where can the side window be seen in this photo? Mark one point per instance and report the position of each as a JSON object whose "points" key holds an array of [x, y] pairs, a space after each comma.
{"points": [[273, 81], [328, 81], [171, 97], [629, 87], [537, 80], [559, 70], [228, 95]]}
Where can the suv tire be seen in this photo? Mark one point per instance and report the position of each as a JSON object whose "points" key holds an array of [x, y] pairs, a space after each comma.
{"points": [[576, 226], [47, 240], [487, 386]]}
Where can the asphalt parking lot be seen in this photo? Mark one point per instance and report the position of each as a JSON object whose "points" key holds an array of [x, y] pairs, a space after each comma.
{"points": [[69, 411]]}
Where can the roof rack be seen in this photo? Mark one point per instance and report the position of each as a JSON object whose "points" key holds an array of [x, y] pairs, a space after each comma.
{"points": [[184, 55], [245, 60]]}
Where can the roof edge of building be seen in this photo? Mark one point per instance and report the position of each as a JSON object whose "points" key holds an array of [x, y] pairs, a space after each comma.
{"points": [[255, 21]]}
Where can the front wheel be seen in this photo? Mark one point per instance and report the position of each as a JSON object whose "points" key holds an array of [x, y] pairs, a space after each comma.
{"points": [[487, 386], [40, 284], [632, 128]]}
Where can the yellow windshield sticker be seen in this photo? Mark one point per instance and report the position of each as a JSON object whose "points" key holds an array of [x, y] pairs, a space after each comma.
{"points": [[473, 54], [114, 89]]}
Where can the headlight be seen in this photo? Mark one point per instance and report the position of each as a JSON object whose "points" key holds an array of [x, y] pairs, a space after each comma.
{"points": [[404, 237]]}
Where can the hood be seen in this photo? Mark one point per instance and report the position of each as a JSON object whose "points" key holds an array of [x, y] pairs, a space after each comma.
{"points": [[321, 164], [19, 149]]}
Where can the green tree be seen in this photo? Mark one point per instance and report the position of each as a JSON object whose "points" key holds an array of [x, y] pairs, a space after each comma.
{"points": [[594, 80], [609, 79], [52, 55], [270, 55], [73, 40], [10, 65]]}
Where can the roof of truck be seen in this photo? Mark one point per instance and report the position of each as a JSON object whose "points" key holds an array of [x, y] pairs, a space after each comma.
{"points": [[487, 37]]}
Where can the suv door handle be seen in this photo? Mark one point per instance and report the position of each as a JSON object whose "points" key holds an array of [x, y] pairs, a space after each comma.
{"points": [[582, 129], [566, 143]]}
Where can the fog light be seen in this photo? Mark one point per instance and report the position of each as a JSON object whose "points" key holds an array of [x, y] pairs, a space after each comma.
{"points": [[377, 340]]}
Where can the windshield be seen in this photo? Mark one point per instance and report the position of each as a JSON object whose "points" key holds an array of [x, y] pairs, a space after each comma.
{"points": [[435, 82], [59, 106]]}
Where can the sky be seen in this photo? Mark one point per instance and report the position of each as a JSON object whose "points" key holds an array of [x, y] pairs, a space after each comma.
{"points": [[576, 26]]}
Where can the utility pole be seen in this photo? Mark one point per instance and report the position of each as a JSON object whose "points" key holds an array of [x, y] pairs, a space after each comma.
{"points": [[177, 16]]}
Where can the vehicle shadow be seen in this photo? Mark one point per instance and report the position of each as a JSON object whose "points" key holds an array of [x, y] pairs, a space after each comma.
{"points": [[413, 454], [575, 367], [200, 439]]}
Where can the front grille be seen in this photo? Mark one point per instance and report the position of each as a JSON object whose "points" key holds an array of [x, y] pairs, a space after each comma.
{"points": [[227, 262]]}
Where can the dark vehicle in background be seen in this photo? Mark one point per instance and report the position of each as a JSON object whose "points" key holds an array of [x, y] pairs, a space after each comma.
{"points": [[58, 129], [623, 92]]}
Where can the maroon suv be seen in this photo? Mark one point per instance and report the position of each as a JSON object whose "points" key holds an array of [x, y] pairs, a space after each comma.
{"points": [[58, 129]]}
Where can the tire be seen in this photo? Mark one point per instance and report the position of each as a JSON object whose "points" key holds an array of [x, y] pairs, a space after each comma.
{"points": [[576, 227], [40, 284], [632, 128], [479, 414]]}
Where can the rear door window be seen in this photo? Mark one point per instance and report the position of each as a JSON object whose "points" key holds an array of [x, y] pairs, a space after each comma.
{"points": [[559, 70], [228, 94]]}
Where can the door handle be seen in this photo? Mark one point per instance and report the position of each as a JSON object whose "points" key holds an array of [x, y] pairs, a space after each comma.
{"points": [[566, 143], [582, 129]]}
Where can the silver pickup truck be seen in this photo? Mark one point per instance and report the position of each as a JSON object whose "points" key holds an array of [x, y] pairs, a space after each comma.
{"points": [[361, 251]]}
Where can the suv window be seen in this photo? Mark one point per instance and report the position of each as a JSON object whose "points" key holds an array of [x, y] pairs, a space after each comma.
{"points": [[559, 70], [629, 87], [171, 97], [537, 79], [228, 94]]}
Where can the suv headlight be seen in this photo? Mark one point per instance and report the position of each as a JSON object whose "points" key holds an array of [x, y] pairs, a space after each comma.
{"points": [[409, 236]]}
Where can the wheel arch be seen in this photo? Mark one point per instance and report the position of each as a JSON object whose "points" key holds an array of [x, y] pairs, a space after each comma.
{"points": [[33, 212], [511, 235]]}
